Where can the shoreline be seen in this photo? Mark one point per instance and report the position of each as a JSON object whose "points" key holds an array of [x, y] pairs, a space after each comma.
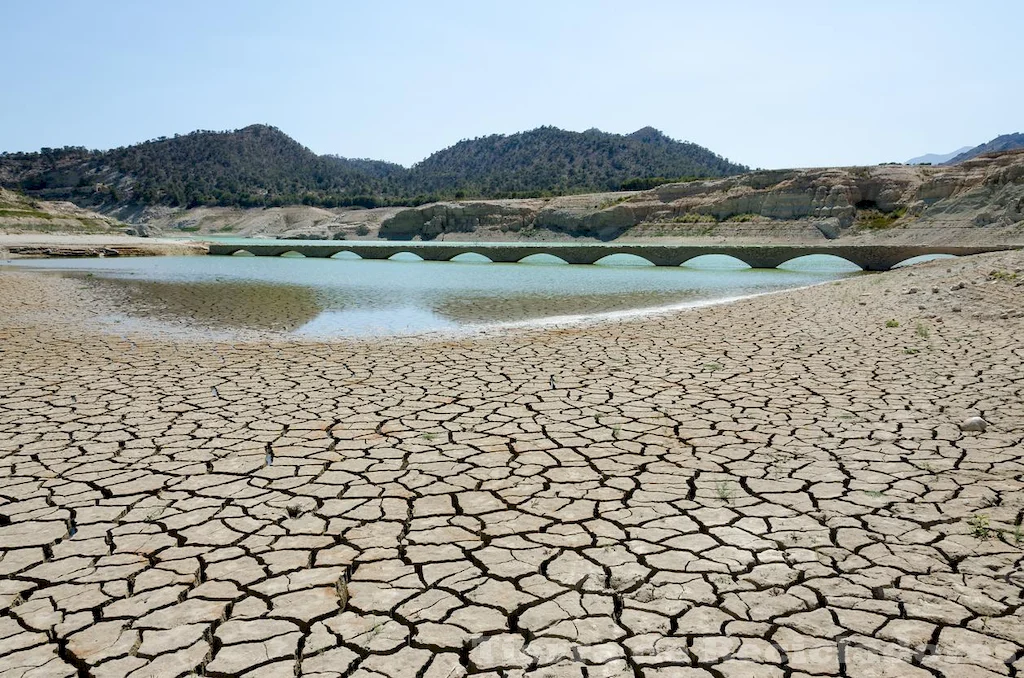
{"points": [[114, 322], [44, 245]]}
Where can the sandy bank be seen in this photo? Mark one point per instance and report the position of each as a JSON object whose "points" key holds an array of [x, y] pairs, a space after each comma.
{"points": [[31, 245]]}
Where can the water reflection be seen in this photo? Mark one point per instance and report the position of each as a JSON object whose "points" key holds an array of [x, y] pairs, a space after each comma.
{"points": [[218, 305], [337, 297]]}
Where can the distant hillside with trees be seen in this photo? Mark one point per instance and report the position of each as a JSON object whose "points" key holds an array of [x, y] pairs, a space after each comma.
{"points": [[1005, 142], [558, 161], [261, 166]]}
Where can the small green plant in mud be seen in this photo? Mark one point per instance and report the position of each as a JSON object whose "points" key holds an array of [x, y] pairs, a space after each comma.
{"points": [[911, 351], [1002, 275], [922, 330], [616, 430], [712, 367], [429, 436], [724, 491], [874, 493], [892, 322], [980, 526]]}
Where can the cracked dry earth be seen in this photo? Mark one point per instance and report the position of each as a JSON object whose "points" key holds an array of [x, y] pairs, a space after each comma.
{"points": [[776, 487]]}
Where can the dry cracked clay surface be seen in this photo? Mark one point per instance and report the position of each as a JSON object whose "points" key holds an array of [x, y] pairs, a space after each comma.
{"points": [[776, 487]]}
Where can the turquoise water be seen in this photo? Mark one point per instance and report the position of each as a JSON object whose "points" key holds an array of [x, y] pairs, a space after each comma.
{"points": [[352, 297]]}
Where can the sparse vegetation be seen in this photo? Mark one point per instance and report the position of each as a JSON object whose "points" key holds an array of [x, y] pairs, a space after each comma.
{"points": [[979, 523], [743, 218], [892, 322], [874, 219], [647, 183], [612, 202], [695, 218], [724, 491], [26, 214], [922, 330]]}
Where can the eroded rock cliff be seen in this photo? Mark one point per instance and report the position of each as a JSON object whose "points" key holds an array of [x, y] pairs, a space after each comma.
{"points": [[822, 203]]}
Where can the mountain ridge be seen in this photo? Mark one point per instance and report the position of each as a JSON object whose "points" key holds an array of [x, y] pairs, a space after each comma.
{"points": [[937, 158], [1003, 142], [259, 165]]}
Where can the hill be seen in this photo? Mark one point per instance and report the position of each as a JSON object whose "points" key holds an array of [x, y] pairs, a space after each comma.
{"points": [[936, 158], [980, 201], [255, 166], [1006, 142], [259, 166], [559, 161], [20, 214]]}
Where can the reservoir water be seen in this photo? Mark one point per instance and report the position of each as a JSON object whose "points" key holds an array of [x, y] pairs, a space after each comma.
{"points": [[325, 298]]}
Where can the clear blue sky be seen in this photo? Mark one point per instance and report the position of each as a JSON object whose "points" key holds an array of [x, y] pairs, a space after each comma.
{"points": [[769, 84]]}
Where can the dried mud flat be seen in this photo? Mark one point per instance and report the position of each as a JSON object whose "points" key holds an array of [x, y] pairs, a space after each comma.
{"points": [[776, 487]]}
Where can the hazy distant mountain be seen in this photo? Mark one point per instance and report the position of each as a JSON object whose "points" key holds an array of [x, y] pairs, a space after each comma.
{"points": [[260, 165], [1006, 142], [936, 158]]}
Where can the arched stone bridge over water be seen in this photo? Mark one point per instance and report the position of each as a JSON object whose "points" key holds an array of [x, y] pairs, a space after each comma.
{"points": [[868, 257]]}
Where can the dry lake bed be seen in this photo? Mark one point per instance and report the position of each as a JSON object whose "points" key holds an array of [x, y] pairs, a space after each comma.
{"points": [[778, 486]]}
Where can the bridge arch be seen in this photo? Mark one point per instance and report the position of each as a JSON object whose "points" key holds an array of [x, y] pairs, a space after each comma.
{"points": [[405, 255], [292, 254], [920, 259], [543, 259], [471, 258], [623, 259], [345, 254], [242, 253], [820, 262], [715, 261]]}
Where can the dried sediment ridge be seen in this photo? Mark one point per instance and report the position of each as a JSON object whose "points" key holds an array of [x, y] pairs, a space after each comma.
{"points": [[45, 245], [777, 487]]}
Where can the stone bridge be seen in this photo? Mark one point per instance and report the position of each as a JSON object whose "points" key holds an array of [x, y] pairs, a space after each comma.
{"points": [[868, 257]]}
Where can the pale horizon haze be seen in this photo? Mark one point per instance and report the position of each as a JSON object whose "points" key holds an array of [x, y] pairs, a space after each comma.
{"points": [[787, 84]]}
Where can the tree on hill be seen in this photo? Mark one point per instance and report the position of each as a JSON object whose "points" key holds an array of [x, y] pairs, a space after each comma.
{"points": [[261, 166]]}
